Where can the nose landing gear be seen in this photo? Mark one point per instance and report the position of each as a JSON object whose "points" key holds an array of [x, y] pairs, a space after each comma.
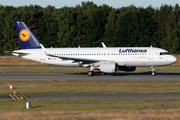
{"points": [[153, 71]]}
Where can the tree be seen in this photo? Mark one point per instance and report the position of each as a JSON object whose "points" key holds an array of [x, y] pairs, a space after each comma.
{"points": [[10, 39], [172, 30], [87, 25], [161, 18], [66, 20], [48, 27], [110, 37]]}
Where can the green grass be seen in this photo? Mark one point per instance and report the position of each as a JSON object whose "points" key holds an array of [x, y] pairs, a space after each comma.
{"points": [[41, 69], [91, 104], [92, 109], [87, 87], [50, 69]]}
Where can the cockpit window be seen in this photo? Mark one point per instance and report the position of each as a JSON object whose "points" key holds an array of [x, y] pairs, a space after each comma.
{"points": [[164, 53]]}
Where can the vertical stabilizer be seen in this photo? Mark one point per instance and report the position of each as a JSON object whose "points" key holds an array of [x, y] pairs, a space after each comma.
{"points": [[26, 38]]}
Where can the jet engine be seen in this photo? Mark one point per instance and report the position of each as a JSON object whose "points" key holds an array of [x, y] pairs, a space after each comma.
{"points": [[126, 68], [108, 67]]}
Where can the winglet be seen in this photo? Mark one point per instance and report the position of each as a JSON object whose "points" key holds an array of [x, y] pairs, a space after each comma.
{"points": [[45, 51], [104, 46]]}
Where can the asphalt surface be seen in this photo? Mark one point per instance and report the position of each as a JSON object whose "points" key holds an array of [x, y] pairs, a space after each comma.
{"points": [[97, 96], [5, 97], [98, 76], [103, 95]]}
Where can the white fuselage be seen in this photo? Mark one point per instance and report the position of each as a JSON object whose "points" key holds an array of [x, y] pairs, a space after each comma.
{"points": [[123, 56]]}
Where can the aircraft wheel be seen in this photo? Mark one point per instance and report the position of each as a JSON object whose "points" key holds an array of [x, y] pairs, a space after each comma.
{"points": [[153, 73], [90, 73]]}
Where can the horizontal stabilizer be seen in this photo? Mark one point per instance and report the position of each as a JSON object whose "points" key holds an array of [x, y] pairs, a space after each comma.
{"points": [[20, 53]]}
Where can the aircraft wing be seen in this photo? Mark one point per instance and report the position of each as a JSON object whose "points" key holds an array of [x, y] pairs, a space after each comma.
{"points": [[84, 60]]}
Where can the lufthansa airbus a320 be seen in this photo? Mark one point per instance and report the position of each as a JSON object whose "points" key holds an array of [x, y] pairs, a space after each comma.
{"points": [[105, 59]]}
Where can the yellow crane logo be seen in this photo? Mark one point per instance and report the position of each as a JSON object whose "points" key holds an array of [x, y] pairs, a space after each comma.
{"points": [[24, 35]]}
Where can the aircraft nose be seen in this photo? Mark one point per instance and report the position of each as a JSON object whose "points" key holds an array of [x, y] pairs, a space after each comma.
{"points": [[173, 59]]}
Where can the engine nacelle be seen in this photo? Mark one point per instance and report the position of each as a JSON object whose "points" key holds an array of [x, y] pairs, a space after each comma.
{"points": [[108, 67], [126, 68]]}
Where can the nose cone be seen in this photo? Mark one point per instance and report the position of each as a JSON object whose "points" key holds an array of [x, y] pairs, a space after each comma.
{"points": [[173, 59]]}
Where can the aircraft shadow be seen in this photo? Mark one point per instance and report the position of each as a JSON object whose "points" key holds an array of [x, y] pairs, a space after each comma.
{"points": [[128, 74]]}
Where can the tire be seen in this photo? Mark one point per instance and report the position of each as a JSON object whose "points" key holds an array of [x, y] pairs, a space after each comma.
{"points": [[153, 73], [90, 73]]}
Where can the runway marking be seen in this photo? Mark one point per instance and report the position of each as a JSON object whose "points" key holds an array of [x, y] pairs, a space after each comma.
{"points": [[12, 97], [18, 97], [24, 96]]}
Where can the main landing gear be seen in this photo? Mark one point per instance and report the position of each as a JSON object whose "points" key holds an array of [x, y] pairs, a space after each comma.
{"points": [[90, 73], [153, 71]]}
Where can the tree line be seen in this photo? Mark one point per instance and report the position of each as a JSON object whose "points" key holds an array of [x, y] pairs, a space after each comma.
{"points": [[87, 25]]}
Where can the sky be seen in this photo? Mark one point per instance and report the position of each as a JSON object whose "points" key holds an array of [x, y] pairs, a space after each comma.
{"points": [[73, 3]]}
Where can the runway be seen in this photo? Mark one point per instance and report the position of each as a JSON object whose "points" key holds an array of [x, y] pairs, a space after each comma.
{"points": [[98, 76], [104, 95], [53, 96]]}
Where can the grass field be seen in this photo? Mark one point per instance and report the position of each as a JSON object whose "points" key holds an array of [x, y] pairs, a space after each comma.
{"points": [[88, 87], [172, 114], [92, 109]]}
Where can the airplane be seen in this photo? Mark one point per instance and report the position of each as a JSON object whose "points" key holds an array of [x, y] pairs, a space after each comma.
{"points": [[105, 59]]}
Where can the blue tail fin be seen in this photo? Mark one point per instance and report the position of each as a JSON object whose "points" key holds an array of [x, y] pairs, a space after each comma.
{"points": [[26, 38]]}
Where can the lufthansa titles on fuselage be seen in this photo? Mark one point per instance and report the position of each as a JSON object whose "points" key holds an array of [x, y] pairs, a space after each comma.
{"points": [[133, 50]]}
